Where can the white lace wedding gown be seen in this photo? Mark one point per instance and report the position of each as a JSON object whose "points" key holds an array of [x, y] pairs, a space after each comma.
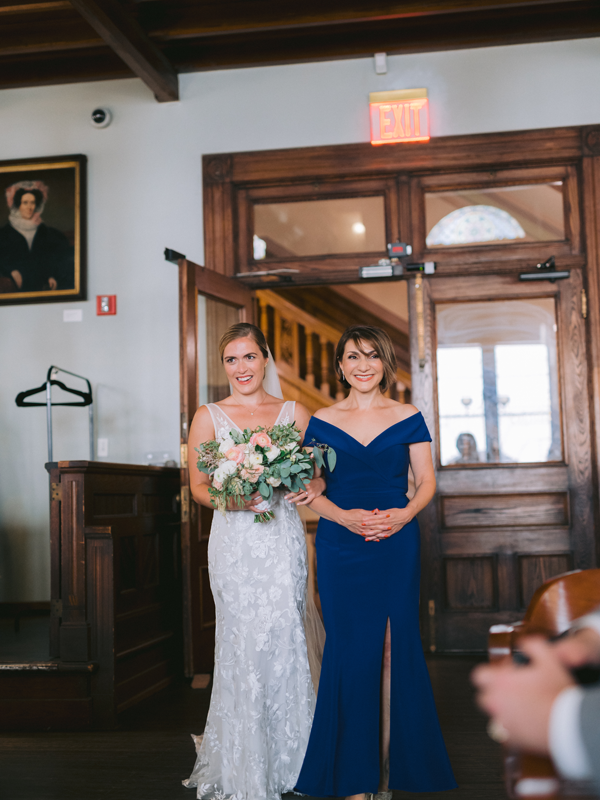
{"points": [[262, 700]]}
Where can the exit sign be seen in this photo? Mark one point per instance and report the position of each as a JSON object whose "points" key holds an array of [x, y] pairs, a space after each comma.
{"points": [[401, 116]]}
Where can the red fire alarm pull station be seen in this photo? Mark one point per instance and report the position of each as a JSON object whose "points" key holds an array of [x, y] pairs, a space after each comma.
{"points": [[106, 304]]}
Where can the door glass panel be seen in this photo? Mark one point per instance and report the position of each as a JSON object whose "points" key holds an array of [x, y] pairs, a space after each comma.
{"points": [[498, 215], [319, 227], [498, 398], [214, 317]]}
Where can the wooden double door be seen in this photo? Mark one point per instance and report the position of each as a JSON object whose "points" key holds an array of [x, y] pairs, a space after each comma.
{"points": [[499, 372]]}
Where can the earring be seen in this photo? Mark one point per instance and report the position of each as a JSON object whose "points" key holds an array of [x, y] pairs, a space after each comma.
{"points": [[343, 376]]}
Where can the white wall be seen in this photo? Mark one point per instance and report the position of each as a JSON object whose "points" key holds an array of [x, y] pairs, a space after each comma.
{"points": [[144, 177]]}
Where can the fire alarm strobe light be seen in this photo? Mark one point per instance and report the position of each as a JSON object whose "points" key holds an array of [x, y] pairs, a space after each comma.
{"points": [[106, 304]]}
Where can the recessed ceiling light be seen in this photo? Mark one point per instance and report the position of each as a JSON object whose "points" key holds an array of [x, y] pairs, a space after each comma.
{"points": [[358, 227]]}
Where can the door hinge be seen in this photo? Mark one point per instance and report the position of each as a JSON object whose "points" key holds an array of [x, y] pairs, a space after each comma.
{"points": [[432, 626], [185, 503], [184, 425], [55, 491], [56, 608], [184, 456], [584, 304]]}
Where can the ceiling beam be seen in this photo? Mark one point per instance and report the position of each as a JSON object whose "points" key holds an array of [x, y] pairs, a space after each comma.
{"points": [[178, 20], [124, 35]]}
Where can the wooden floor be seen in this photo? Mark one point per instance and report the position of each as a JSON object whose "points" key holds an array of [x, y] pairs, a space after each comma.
{"points": [[148, 757]]}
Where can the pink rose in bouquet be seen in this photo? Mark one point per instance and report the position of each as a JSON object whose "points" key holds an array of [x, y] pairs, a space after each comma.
{"points": [[236, 454], [260, 439]]}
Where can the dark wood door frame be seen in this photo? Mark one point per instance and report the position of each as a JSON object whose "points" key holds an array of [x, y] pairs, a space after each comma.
{"points": [[230, 179], [196, 280]]}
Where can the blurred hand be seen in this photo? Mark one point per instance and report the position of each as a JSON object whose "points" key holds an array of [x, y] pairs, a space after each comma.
{"points": [[249, 505], [310, 492], [579, 648], [17, 278], [52, 283], [520, 697]]}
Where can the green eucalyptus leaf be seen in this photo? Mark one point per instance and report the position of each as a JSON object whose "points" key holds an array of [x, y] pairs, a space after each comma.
{"points": [[318, 453], [331, 459], [263, 488]]}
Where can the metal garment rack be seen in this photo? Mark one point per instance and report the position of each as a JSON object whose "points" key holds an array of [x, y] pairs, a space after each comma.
{"points": [[86, 400]]}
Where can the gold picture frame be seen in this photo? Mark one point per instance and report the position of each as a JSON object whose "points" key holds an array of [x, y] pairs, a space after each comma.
{"points": [[43, 230]]}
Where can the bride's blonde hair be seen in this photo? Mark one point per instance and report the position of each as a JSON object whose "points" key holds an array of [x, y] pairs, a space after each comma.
{"points": [[243, 330]]}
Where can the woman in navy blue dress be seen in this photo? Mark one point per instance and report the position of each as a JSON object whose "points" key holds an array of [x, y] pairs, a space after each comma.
{"points": [[375, 726]]}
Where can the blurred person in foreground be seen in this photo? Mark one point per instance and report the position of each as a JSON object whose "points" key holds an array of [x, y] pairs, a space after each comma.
{"points": [[538, 707]]}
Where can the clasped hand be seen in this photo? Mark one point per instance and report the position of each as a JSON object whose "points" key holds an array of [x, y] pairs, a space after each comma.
{"points": [[378, 524]]}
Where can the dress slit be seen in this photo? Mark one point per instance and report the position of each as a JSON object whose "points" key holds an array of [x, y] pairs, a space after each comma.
{"points": [[385, 723]]}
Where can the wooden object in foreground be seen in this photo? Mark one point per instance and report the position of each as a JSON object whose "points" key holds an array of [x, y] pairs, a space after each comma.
{"points": [[554, 607], [116, 599]]}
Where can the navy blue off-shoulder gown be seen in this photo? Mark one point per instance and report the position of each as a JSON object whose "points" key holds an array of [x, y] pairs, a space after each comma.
{"points": [[361, 586]]}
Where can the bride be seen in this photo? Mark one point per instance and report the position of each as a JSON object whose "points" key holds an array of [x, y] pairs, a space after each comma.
{"points": [[262, 700]]}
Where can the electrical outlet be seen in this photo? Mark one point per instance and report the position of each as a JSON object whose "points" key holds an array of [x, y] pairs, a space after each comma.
{"points": [[102, 448]]}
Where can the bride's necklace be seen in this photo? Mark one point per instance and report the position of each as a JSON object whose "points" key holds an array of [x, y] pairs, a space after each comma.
{"points": [[258, 406]]}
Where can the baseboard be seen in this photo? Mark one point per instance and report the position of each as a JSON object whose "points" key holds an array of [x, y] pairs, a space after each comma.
{"points": [[27, 609]]}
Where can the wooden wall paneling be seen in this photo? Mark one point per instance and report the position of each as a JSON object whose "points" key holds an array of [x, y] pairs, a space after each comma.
{"points": [[219, 229], [574, 380], [74, 629], [470, 583], [188, 382], [100, 578], [405, 216], [449, 153], [55, 558], [591, 219], [505, 509], [422, 392], [573, 210], [534, 570], [245, 230]]}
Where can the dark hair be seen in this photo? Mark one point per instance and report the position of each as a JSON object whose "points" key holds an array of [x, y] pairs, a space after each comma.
{"points": [[240, 331], [382, 344], [39, 197]]}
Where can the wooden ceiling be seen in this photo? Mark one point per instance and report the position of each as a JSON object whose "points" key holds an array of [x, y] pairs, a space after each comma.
{"points": [[63, 41]]}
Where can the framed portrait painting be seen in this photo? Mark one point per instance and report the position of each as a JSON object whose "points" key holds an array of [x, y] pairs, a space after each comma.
{"points": [[42, 230]]}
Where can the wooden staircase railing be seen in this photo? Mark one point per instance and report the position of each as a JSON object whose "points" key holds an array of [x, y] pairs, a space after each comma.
{"points": [[303, 347]]}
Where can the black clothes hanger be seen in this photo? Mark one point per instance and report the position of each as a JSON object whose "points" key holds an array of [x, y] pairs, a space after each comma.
{"points": [[86, 400], [21, 397]]}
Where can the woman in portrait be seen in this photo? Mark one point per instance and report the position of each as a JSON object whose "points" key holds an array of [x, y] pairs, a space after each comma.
{"points": [[33, 256], [262, 698], [376, 726]]}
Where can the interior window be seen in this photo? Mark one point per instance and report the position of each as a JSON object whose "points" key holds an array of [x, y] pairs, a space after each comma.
{"points": [[498, 215], [498, 382], [319, 227]]}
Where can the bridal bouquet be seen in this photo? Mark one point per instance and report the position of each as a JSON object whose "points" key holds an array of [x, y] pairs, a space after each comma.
{"points": [[245, 462]]}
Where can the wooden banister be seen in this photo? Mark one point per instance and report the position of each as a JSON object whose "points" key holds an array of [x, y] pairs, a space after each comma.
{"points": [[303, 346]]}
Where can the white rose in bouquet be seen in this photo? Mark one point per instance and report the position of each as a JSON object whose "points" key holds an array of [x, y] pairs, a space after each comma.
{"points": [[226, 445], [229, 467], [272, 452], [273, 481], [254, 459]]}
